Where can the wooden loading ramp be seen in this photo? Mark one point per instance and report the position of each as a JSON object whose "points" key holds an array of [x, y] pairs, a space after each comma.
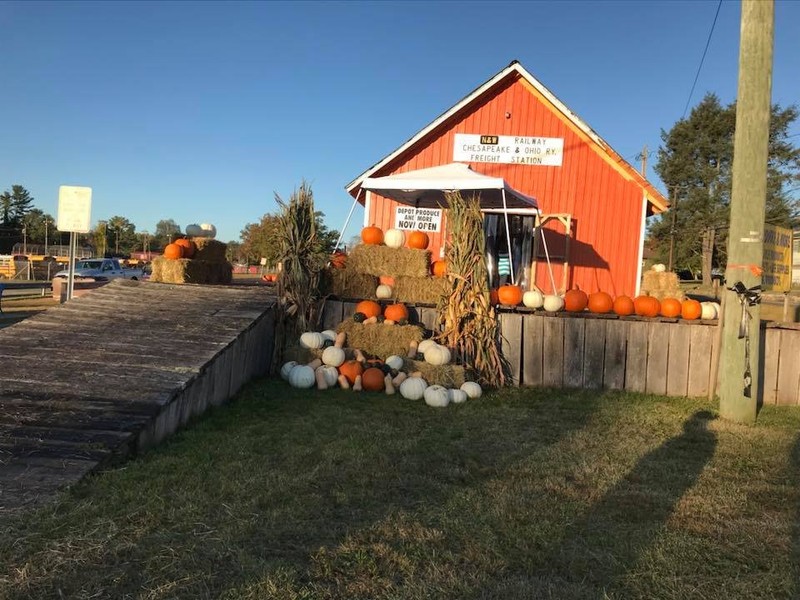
{"points": [[95, 380]]}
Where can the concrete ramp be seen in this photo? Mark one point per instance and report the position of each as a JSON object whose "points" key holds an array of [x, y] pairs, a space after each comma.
{"points": [[97, 379]]}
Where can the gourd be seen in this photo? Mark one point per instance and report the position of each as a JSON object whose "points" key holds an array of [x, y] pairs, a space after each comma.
{"points": [[437, 355], [333, 356], [286, 368], [369, 308], [302, 376], [330, 374], [575, 300], [372, 380], [436, 396], [553, 303], [312, 339], [424, 345], [533, 299], [600, 303], [670, 307], [419, 240], [439, 268], [372, 235], [394, 238], [396, 312], [207, 230], [659, 268], [383, 291], [388, 385], [193, 230], [457, 396], [510, 295], [691, 309], [395, 362], [173, 251], [188, 246], [623, 306], [646, 306], [708, 310], [338, 259], [329, 334], [413, 388], [471, 389], [351, 369]]}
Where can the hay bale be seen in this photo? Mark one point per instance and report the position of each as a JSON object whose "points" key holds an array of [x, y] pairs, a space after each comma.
{"points": [[395, 262], [346, 283], [661, 284], [421, 290], [209, 250], [184, 270], [378, 339], [446, 375]]}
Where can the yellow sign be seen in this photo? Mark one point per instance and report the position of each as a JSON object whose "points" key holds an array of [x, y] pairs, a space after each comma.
{"points": [[777, 275]]}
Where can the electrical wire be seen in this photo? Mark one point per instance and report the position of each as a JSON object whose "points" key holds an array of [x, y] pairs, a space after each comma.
{"points": [[708, 42]]}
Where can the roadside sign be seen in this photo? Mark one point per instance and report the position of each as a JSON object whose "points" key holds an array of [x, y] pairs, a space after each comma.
{"points": [[777, 262], [74, 208]]}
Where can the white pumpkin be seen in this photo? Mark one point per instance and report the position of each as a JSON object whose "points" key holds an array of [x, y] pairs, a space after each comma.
{"points": [[329, 334], [413, 388], [331, 375], [333, 356], [457, 396], [312, 339], [286, 368], [472, 389], [533, 299], [302, 376], [194, 230], [395, 362], [394, 238], [658, 268], [437, 355], [208, 230], [436, 396], [553, 303], [383, 291], [424, 345], [708, 310]]}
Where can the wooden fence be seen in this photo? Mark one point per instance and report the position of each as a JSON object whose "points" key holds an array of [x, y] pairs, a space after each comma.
{"points": [[669, 357]]}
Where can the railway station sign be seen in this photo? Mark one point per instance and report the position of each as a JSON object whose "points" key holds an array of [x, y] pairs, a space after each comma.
{"points": [[508, 149]]}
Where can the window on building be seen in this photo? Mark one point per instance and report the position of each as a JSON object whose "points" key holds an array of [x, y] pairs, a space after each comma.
{"points": [[498, 261]]}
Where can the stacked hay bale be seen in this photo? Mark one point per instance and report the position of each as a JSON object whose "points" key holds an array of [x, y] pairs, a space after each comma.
{"points": [[207, 265], [661, 284]]}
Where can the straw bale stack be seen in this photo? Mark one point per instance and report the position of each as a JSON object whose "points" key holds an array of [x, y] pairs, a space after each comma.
{"points": [[209, 250], [661, 284], [446, 375], [421, 290], [378, 339], [184, 270], [347, 283], [394, 262]]}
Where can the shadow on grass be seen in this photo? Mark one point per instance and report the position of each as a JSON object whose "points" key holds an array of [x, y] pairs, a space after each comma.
{"points": [[794, 555], [596, 553]]}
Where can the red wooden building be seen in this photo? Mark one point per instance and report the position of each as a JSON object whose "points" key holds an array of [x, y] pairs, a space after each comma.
{"points": [[593, 202]]}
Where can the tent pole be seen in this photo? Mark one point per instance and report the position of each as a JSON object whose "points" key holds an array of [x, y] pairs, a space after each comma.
{"points": [[508, 237], [347, 221], [547, 257]]}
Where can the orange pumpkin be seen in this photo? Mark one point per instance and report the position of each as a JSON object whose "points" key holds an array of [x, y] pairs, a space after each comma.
{"points": [[396, 312], [600, 302], [691, 309], [439, 268], [419, 240], [670, 307], [188, 246], [351, 369], [372, 380], [510, 295], [372, 235], [493, 299], [369, 308], [646, 306], [623, 306], [338, 259], [173, 251], [575, 300]]}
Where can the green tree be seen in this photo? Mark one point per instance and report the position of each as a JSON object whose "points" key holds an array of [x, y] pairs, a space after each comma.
{"points": [[695, 163], [120, 235], [167, 230], [40, 228], [15, 205], [6, 209], [261, 240]]}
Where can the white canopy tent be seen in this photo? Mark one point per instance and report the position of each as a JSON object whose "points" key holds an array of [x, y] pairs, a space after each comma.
{"points": [[426, 188]]}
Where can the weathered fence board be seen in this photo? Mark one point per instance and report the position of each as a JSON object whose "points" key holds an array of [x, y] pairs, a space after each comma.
{"points": [[428, 317], [700, 339], [574, 331], [788, 391], [553, 352], [348, 309], [594, 353], [511, 330], [636, 361], [678, 361], [770, 358], [331, 315], [657, 357], [614, 357], [532, 367]]}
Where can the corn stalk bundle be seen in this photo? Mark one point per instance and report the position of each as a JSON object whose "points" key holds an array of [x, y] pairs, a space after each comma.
{"points": [[470, 325]]}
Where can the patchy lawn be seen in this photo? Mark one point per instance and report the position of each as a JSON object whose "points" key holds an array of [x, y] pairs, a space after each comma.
{"points": [[521, 494]]}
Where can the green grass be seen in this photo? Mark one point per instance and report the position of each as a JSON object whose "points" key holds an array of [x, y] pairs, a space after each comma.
{"points": [[521, 494]]}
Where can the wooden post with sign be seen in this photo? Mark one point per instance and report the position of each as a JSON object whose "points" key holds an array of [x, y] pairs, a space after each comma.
{"points": [[74, 215]]}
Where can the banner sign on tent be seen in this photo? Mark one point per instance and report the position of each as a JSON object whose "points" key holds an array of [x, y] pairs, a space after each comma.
{"points": [[777, 261], [418, 219], [508, 149]]}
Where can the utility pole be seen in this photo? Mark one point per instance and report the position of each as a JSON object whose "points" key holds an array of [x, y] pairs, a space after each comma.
{"points": [[739, 355]]}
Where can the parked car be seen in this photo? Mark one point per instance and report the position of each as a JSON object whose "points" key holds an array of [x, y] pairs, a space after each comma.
{"points": [[101, 269]]}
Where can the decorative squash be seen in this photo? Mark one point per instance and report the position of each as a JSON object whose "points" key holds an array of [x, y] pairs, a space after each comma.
{"points": [[286, 369], [419, 240], [439, 268], [173, 251], [394, 238], [369, 308], [372, 236], [383, 291], [207, 230], [623, 306], [600, 302], [413, 388], [457, 396], [436, 396], [575, 300], [510, 295], [396, 312], [646, 306], [351, 369], [395, 362], [312, 339], [188, 246], [330, 374], [359, 317], [708, 310], [494, 300], [533, 299], [472, 389], [424, 345], [333, 356], [302, 376], [437, 355], [329, 334], [691, 309], [553, 303], [670, 307], [372, 380], [338, 259]]}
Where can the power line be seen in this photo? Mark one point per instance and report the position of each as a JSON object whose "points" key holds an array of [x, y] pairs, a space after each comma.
{"points": [[708, 42]]}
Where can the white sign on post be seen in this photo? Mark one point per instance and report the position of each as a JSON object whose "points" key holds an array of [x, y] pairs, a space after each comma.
{"points": [[74, 209], [508, 149], [418, 219]]}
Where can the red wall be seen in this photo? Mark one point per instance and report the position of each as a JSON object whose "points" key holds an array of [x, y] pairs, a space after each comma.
{"points": [[605, 204]]}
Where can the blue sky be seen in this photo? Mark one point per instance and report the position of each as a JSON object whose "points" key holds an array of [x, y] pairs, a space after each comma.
{"points": [[200, 112]]}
